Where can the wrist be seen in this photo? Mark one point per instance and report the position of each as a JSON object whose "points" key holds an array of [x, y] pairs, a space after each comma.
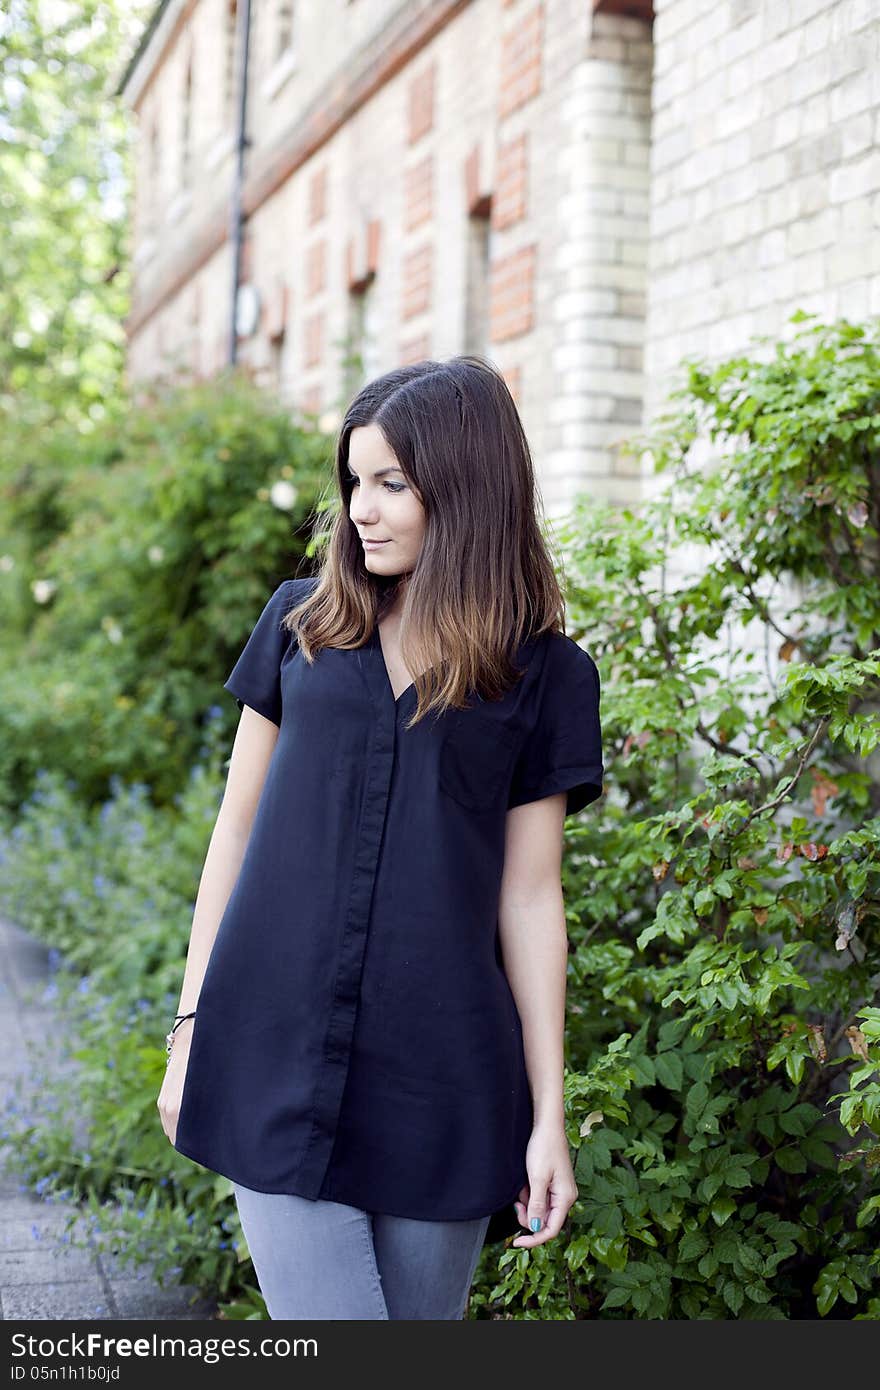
{"points": [[549, 1118], [180, 1022]]}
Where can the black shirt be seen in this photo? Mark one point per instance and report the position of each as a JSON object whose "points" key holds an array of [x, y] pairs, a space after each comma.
{"points": [[356, 1038]]}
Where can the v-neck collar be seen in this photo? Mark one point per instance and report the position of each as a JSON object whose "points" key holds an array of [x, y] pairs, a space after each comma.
{"points": [[379, 680], [381, 668]]}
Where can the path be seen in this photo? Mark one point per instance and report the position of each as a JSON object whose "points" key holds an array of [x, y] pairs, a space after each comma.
{"points": [[41, 1276]]}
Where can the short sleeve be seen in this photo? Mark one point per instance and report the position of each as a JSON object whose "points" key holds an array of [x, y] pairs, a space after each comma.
{"points": [[255, 679], [563, 750]]}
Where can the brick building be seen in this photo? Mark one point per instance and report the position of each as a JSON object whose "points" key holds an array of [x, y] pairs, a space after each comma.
{"points": [[583, 190]]}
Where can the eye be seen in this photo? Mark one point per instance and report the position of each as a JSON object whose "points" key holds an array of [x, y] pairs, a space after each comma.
{"points": [[392, 487]]}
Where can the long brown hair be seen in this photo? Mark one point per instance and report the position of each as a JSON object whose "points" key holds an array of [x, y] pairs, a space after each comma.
{"points": [[484, 579]]}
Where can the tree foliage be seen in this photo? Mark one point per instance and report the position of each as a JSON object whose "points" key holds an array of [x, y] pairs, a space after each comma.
{"points": [[65, 161]]}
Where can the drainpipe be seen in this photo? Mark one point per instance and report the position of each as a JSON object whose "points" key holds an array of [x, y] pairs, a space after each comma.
{"points": [[236, 213]]}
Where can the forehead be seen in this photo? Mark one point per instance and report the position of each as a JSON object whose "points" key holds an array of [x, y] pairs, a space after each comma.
{"points": [[368, 448]]}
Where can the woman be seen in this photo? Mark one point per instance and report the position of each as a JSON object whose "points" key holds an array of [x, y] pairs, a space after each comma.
{"points": [[370, 1034]]}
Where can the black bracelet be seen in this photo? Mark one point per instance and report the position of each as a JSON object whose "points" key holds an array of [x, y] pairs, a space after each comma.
{"points": [[169, 1040]]}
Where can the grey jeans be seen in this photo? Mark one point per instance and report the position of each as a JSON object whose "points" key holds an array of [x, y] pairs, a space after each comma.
{"points": [[323, 1260]]}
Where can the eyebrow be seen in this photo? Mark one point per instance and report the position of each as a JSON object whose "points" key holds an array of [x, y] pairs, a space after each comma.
{"points": [[380, 472]]}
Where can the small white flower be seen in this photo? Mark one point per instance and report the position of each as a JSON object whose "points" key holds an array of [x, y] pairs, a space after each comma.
{"points": [[43, 589], [6, 563], [114, 633], [156, 554], [282, 495], [328, 422]]}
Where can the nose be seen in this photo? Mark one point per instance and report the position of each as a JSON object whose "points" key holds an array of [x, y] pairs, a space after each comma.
{"points": [[363, 514]]}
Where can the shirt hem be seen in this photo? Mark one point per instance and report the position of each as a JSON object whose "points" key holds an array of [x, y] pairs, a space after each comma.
{"points": [[243, 697], [291, 1191], [583, 785]]}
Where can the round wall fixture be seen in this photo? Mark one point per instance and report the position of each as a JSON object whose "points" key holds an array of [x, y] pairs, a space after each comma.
{"points": [[247, 310]]}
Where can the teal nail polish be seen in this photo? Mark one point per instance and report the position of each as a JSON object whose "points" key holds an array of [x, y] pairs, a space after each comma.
{"points": [[535, 1223]]}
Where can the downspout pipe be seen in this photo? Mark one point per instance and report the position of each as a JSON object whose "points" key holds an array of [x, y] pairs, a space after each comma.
{"points": [[236, 212]]}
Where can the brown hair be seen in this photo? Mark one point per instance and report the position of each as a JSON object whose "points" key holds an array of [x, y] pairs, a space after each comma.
{"points": [[484, 580]]}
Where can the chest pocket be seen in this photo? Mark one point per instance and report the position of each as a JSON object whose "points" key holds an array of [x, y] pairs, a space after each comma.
{"points": [[476, 756]]}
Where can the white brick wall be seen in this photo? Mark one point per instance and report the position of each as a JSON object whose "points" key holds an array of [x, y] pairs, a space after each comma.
{"points": [[765, 173]]}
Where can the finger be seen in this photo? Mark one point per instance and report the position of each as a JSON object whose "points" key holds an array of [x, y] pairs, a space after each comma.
{"points": [[550, 1227]]}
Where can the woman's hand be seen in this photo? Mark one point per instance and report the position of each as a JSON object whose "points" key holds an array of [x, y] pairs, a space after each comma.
{"points": [[175, 1074], [551, 1189]]}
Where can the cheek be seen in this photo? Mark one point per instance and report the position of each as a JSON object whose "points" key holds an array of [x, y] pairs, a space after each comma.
{"points": [[413, 517]]}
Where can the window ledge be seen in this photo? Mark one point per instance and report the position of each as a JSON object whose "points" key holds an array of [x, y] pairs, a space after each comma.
{"points": [[276, 78], [179, 206], [144, 252], [220, 149]]}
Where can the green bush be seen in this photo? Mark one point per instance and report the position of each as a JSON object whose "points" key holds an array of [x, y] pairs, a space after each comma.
{"points": [[161, 532], [723, 898]]}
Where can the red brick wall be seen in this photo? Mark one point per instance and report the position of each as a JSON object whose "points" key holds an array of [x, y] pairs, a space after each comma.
{"points": [[520, 74], [414, 349], [418, 202], [317, 196], [316, 268], [511, 294], [509, 198], [421, 104], [416, 281], [313, 339]]}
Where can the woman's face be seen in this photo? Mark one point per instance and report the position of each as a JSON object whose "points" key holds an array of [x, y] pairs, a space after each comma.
{"points": [[383, 506]]}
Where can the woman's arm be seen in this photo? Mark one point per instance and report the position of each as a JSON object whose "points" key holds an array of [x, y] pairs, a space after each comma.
{"points": [[534, 945], [255, 741], [254, 744]]}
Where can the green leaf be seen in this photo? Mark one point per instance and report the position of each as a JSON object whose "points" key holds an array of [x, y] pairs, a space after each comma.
{"points": [[616, 1298], [722, 1209], [692, 1245], [790, 1160], [669, 1070]]}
